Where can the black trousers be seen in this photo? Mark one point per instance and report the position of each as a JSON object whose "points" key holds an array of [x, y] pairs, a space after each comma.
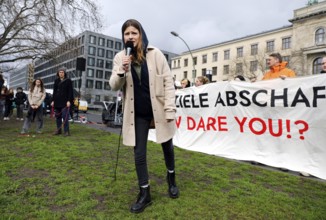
{"points": [[140, 151]]}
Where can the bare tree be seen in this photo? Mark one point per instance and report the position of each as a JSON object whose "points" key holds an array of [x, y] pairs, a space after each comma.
{"points": [[252, 67], [32, 28]]}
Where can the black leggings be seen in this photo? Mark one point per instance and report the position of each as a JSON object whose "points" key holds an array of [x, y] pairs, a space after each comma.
{"points": [[140, 151]]}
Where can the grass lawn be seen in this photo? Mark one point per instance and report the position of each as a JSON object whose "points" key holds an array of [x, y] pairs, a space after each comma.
{"points": [[54, 177]]}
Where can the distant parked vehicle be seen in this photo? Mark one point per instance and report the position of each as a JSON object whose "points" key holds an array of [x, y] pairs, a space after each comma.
{"points": [[109, 116], [82, 106]]}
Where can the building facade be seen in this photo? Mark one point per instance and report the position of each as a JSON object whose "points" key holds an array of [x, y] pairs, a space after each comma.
{"points": [[302, 44], [20, 77], [93, 83]]}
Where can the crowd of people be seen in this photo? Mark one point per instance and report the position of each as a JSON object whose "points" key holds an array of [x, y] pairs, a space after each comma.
{"points": [[9, 100], [37, 101], [277, 69]]}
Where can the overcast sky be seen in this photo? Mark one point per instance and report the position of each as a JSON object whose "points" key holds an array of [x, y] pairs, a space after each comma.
{"points": [[199, 23]]}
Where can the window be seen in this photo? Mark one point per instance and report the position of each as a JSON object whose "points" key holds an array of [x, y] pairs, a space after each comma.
{"points": [[320, 36], [266, 64], [185, 62], [81, 50], [99, 74], [185, 74], [286, 59], [215, 57], [178, 63], [204, 58], [107, 86], [97, 98], [108, 64], [100, 52], [118, 45], [109, 43], [98, 85], [89, 84], [109, 54], [100, 63], [253, 66], [203, 71], [286, 43], [91, 50], [90, 72], [226, 54], [238, 68], [214, 71], [270, 46], [91, 61], [240, 52], [107, 74], [254, 49], [101, 41], [317, 65], [195, 60], [92, 39], [225, 69]]}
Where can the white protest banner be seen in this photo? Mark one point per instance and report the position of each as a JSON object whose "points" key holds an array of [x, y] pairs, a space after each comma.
{"points": [[280, 123]]}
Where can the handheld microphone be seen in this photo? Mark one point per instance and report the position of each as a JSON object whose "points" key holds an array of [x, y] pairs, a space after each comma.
{"points": [[129, 46]]}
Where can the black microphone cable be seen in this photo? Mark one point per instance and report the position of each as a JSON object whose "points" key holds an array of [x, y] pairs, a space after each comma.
{"points": [[117, 157], [120, 135], [128, 47]]}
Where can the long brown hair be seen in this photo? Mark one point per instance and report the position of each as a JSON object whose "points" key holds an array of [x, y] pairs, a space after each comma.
{"points": [[34, 84], [140, 56]]}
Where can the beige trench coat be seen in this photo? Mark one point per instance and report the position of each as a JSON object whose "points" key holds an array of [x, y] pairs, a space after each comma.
{"points": [[162, 96]]}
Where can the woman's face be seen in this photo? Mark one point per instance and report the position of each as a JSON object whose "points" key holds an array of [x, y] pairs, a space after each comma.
{"points": [[198, 82], [37, 82], [61, 74], [184, 84], [131, 34]]}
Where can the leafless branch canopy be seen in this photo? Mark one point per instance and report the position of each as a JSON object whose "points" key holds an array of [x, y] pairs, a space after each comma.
{"points": [[30, 28]]}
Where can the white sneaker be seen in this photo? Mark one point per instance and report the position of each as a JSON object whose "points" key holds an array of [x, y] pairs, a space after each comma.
{"points": [[22, 119], [304, 173]]}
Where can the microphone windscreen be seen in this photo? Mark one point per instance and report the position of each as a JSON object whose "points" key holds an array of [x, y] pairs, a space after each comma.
{"points": [[129, 44]]}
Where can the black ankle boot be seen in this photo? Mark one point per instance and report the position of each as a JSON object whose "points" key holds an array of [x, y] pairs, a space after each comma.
{"points": [[173, 189], [143, 200]]}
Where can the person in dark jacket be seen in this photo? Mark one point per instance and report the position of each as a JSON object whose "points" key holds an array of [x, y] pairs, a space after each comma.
{"points": [[8, 104], [3, 95], [20, 99], [2, 80], [62, 100]]}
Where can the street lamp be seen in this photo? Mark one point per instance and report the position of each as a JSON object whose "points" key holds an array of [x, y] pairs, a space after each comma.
{"points": [[192, 57]]}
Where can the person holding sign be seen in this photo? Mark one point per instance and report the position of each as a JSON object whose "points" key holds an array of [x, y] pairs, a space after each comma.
{"points": [[277, 68], [323, 65]]}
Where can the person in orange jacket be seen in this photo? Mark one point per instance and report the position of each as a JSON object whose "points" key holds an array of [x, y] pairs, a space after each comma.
{"points": [[277, 68]]}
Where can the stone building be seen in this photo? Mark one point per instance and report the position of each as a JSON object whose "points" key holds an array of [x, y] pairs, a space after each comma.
{"points": [[302, 44]]}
